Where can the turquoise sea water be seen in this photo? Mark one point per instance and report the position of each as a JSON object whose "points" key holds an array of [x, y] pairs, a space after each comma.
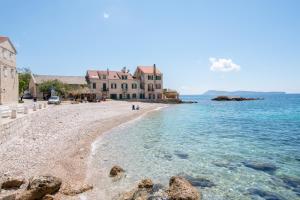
{"points": [[231, 150]]}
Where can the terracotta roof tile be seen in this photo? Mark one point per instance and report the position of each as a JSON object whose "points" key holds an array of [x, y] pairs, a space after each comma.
{"points": [[3, 39], [148, 69]]}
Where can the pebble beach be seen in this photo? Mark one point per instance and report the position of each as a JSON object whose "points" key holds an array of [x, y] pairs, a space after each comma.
{"points": [[57, 140]]}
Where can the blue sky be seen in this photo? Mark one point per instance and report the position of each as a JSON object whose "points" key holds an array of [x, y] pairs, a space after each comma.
{"points": [[199, 45]]}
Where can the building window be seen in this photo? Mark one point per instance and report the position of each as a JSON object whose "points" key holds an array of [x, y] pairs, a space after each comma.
{"points": [[134, 86], [150, 87], [12, 73], [113, 86], [104, 76], [134, 96], [150, 77], [158, 78], [5, 72], [124, 77], [158, 86], [142, 86], [94, 85], [124, 86]]}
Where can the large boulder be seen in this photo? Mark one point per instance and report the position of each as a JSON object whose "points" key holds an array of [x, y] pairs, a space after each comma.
{"points": [[116, 171], [12, 183], [40, 186], [181, 189]]}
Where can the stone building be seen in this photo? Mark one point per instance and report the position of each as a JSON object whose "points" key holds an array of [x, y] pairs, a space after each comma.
{"points": [[74, 82], [9, 83], [147, 83]]}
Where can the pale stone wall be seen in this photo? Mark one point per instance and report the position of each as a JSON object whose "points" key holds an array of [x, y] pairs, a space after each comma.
{"points": [[115, 91], [9, 82], [13, 128]]}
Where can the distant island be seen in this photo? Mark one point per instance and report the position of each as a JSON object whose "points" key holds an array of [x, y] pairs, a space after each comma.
{"points": [[239, 93]]}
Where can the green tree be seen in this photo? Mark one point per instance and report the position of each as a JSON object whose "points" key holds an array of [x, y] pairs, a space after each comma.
{"points": [[57, 85], [24, 78]]}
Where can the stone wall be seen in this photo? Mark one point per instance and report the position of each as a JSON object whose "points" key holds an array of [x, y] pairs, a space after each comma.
{"points": [[12, 128]]}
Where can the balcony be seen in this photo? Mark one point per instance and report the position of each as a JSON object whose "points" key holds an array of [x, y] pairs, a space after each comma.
{"points": [[124, 89], [150, 89], [104, 89]]}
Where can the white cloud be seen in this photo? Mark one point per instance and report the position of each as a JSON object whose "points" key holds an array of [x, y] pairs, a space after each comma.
{"points": [[105, 15], [223, 65]]}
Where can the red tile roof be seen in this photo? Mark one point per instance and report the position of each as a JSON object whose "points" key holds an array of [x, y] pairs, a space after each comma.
{"points": [[112, 75], [3, 39], [148, 69]]}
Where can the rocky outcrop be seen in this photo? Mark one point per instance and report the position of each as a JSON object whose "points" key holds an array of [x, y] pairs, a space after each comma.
{"points": [[72, 191], [40, 186], [116, 171], [229, 98], [12, 183], [181, 189]]}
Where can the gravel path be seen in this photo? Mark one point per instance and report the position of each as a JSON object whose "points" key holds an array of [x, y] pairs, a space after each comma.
{"points": [[57, 140]]}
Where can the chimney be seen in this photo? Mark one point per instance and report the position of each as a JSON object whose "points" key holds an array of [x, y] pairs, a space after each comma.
{"points": [[107, 71], [154, 69]]}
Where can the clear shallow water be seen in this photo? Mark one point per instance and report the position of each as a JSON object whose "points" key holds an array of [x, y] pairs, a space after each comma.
{"points": [[211, 140]]}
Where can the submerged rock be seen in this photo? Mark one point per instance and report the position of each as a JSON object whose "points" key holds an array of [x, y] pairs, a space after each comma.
{"points": [[116, 170], [199, 181], [40, 186], [292, 183], [12, 183], [265, 194], [182, 155], [181, 189], [261, 166]]}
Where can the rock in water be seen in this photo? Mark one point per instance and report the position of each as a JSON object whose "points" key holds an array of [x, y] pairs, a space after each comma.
{"points": [[12, 183], [40, 186], [261, 166], [233, 98], [115, 171], [265, 194], [199, 181], [146, 183], [181, 189]]}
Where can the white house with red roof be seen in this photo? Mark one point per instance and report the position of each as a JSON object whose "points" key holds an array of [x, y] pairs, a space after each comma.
{"points": [[147, 83], [9, 83]]}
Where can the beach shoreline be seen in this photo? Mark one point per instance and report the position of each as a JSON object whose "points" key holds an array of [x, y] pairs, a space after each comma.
{"points": [[58, 140]]}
